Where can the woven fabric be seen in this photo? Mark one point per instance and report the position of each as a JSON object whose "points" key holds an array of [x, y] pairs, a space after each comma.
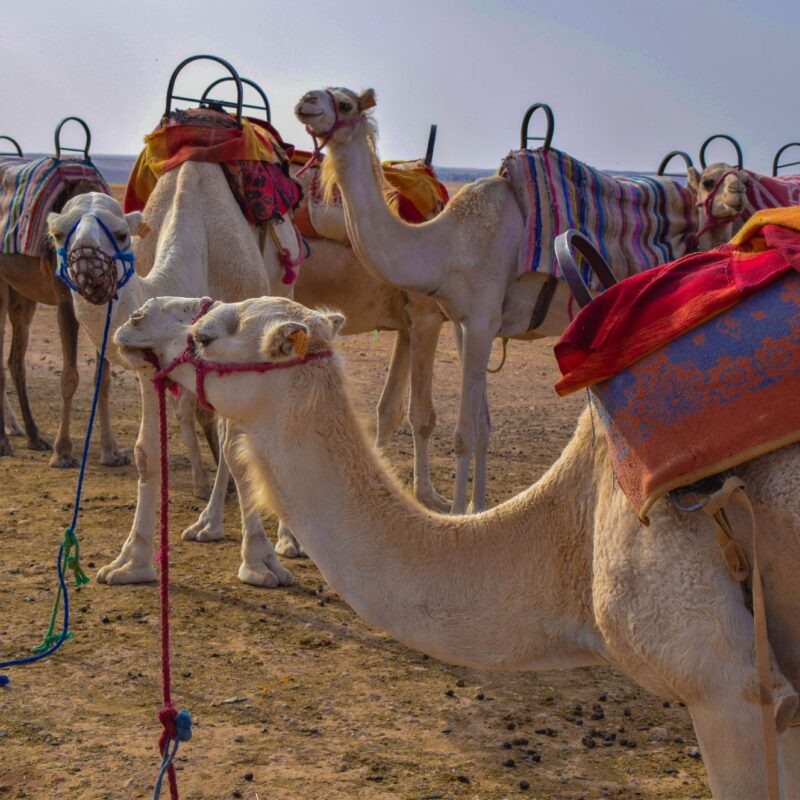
{"points": [[764, 191], [636, 223], [30, 190], [641, 314], [254, 154]]}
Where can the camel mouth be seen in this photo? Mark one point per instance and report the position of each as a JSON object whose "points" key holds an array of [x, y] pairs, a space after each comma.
{"points": [[133, 356]]}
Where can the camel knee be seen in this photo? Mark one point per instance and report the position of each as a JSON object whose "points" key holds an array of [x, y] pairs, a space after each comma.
{"points": [[423, 428], [142, 462]]}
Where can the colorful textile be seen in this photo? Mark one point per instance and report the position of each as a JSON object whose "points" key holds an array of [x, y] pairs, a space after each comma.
{"points": [[643, 312], [719, 396], [417, 192], [255, 157], [764, 191], [636, 223], [30, 190]]}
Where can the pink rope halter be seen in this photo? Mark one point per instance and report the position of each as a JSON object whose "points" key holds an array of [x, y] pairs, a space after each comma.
{"points": [[338, 123], [712, 222], [202, 367]]}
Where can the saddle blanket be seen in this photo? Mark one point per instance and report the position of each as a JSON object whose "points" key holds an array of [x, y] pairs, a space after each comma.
{"points": [[636, 223], [764, 191], [30, 190], [254, 158], [412, 190], [717, 384], [643, 312]]}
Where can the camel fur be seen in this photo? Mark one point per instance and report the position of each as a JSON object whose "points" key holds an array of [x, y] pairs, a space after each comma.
{"points": [[560, 576]]}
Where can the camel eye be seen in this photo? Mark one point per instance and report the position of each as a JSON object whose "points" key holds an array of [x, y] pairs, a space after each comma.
{"points": [[708, 183], [345, 106], [121, 236]]}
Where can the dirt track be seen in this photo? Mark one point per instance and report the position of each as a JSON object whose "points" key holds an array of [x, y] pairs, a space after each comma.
{"points": [[292, 696]]}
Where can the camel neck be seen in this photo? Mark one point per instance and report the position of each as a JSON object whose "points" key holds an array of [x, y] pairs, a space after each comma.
{"points": [[482, 591], [394, 251]]}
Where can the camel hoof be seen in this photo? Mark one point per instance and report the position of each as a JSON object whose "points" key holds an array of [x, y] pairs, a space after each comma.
{"points": [[289, 549], [203, 532], [116, 458], [5, 447], [42, 445], [268, 575], [63, 461], [127, 573], [435, 502]]}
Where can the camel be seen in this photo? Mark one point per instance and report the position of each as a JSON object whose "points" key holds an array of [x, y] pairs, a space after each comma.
{"points": [[721, 201], [560, 576], [24, 282], [201, 243], [12, 425], [467, 258]]}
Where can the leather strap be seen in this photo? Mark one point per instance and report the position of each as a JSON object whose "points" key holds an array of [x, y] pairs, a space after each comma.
{"points": [[733, 490]]}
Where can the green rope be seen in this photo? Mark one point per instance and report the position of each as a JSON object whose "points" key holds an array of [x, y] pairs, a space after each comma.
{"points": [[70, 561]]}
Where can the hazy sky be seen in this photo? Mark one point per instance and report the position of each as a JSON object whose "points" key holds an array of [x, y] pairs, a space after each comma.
{"points": [[628, 80]]}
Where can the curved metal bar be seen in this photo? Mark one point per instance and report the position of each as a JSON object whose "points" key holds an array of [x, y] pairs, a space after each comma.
{"points": [[564, 244], [776, 165], [229, 104], [727, 138], [15, 143], [525, 137], [85, 149], [662, 167], [226, 64], [431, 146]]}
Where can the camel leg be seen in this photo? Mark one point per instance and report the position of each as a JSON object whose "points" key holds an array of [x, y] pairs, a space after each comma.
{"points": [[184, 407], [208, 424], [11, 422], [208, 527], [287, 545], [475, 347], [21, 311], [68, 333], [134, 564], [391, 406], [484, 429], [111, 455], [5, 445], [424, 334]]}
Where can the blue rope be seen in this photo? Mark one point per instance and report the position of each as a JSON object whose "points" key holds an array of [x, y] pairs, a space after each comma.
{"points": [[183, 728], [48, 647]]}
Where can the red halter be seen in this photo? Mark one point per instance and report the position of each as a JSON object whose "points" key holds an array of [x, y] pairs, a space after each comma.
{"points": [[202, 368], [338, 123], [712, 222]]}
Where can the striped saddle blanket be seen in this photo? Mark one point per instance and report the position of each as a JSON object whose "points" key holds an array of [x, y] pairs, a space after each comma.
{"points": [[764, 191], [635, 222], [30, 190]]}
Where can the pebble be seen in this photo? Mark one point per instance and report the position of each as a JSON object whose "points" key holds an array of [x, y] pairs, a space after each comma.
{"points": [[509, 762], [524, 786], [480, 696], [587, 741], [694, 752], [248, 776], [520, 741], [237, 793], [511, 726], [450, 693], [105, 620], [463, 779], [630, 743], [461, 683]]}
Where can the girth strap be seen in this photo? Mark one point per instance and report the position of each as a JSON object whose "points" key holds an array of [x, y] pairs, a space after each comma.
{"points": [[736, 561]]}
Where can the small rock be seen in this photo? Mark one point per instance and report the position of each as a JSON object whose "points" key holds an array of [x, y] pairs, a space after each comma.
{"points": [[667, 704], [248, 776], [461, 683], [480, 696], [520, 741], [694, 752], [629, 743], [509, 762], [237, 793], [450, 693], [511, 726], [463, 779], [524, 786], [506, 745], [105, 620], [587, 741]]}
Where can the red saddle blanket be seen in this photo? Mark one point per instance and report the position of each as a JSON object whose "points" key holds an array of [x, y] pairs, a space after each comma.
{"points": [[254, 158], [643, 312]]}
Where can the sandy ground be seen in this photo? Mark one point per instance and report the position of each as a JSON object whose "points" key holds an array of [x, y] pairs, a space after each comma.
{"points": [[292, 695]]}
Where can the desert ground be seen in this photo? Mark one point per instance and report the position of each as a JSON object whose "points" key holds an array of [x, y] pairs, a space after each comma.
{"points": [[292, 696]]}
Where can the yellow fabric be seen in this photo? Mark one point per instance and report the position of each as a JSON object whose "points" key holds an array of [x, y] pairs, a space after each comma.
{"points": [[414, 182], [750, 235]]}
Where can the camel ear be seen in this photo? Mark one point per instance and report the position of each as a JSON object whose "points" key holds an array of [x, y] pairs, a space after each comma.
{"points": [[136, 225], [367, 100], [693, 176], [336, 321], [285, 339], [52, 222]]}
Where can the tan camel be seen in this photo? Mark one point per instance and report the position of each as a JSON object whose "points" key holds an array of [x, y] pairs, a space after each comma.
{"points": [[721, 217], [203, 245], [466, 258], [562, 575], [12, 425], [24, 282]]}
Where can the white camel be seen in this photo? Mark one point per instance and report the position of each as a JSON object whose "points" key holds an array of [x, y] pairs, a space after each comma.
{"points": [[203, 245], [721, 201], [562, 575], [467, 258]]}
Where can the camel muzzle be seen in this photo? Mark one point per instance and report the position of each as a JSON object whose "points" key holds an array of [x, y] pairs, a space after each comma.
{"points": [[93, 272]]}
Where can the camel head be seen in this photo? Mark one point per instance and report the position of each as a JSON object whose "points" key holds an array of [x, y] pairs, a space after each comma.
{"points": [[333, 114], [93, 238], [252, 332], [726, 186]]}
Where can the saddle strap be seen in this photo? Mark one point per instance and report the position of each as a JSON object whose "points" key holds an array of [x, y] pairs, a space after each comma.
{"points": [[735, 559]]}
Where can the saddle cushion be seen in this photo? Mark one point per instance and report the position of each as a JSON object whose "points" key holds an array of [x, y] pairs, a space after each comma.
{"points": [[255, 160], [30, 189], [718, 385]]}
